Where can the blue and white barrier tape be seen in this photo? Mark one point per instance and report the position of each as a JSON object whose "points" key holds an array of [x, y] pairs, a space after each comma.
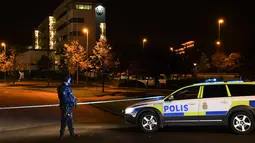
{"points": [[82, 103]]}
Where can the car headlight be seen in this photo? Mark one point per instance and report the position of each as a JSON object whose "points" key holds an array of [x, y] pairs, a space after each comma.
{"points": [[129, 110]]}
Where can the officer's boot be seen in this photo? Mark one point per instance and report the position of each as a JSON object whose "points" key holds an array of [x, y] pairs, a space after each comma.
{"points": [[72, 134], [62, 134]]}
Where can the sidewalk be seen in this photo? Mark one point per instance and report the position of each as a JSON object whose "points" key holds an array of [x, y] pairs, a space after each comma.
{"points": [[95, 91], [81, 88]]}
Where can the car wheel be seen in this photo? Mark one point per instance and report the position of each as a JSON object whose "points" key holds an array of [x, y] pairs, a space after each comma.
{"points": [[149, 122], [242, 123]]}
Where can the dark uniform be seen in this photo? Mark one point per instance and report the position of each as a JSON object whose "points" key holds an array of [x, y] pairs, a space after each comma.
{"points": [[67, 102]]}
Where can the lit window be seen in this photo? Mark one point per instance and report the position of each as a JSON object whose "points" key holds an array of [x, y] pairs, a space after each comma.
{"points": [[84, 7], [81, 6]]}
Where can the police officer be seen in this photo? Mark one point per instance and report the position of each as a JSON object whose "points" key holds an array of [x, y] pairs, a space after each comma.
{"points": [[67, 102]]}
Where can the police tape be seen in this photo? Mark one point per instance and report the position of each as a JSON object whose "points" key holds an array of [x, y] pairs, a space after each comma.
{"points": [[82, 103]]}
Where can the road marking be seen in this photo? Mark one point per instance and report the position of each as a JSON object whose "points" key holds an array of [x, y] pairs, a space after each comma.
{"points": [[82, 103]]}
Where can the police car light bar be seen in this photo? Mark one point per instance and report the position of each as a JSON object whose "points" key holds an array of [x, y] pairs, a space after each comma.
{"points": [[234, 81], [211, 80]]}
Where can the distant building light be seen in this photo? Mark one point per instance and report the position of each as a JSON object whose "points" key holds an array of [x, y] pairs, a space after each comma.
{"points": [[52, 32], [36, 39], [84, 6]]}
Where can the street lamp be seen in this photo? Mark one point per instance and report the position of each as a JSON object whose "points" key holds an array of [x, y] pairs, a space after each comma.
{"points": [[220, 21], [195, 64], [4, 46], [218, 43], [171, 49], [144, 41], [85, 30]]}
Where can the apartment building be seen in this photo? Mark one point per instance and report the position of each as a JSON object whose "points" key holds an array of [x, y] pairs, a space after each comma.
{"points": [[67, 23]]}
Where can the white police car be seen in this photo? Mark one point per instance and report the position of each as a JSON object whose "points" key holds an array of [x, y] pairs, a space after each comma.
{"points": [[228, 103]]}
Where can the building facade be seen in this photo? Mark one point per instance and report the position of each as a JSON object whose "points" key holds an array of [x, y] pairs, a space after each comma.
{"points": [[67, 23], [44, 35]]}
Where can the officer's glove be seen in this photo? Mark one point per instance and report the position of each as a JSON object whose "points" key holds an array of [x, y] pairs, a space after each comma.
{"points": [[75, 102]]}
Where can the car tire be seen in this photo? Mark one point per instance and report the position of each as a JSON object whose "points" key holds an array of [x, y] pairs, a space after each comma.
{"points": [[242, 123], [149, 122]]}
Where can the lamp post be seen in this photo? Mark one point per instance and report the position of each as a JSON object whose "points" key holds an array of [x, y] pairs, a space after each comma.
{"points": [[87, 54], [4, 46], [220, 21], [144, 41]]}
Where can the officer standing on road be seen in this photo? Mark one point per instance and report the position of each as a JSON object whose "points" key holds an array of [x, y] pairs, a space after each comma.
{"points": [[67, 102]]}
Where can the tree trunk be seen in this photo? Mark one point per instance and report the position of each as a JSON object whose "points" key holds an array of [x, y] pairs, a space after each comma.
{"points": [[102, 80], [102, 76], [13, 68], [77, 76]]}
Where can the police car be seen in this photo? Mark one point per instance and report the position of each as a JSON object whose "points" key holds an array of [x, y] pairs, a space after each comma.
{"points": [[223, 103]]}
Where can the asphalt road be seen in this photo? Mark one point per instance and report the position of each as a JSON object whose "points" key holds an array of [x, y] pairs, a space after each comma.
{"points": [[126, 134], [94, 125]]}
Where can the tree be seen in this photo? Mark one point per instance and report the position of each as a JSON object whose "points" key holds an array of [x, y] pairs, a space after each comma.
{"points": [[102, 59], [218, 61], [3, 62], [42, 64], [227, 63], [13, 62], [232, 61], [204, 63], [76, 56]]}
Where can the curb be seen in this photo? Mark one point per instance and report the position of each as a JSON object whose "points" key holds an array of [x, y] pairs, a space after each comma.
{"points": [[97, 95]]}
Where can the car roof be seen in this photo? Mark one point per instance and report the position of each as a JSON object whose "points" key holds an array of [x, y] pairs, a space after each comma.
{"points": [[225, 83]]}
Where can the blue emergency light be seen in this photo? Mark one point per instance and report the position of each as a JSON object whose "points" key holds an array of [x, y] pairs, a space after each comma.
{"points": [[215, 80], [211, 80], [234, 81]]}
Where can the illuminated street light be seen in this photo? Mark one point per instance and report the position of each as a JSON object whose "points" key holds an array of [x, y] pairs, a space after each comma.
{"points": [[144, 41], [218, 42], [195, 64], [171, 49], [85, 30], [4, 46], [220, 21]]}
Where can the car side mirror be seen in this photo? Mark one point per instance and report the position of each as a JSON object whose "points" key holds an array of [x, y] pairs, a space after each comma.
{"points": [[170, 99]]}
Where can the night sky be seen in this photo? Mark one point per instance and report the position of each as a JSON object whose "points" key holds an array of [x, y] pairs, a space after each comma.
{"points": [[164, 23]]}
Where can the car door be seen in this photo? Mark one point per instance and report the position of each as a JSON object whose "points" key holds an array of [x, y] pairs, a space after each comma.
{"points": [[214, 103], [183, 107]]}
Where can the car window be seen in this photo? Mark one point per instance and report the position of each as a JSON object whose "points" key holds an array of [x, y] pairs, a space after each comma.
{"points": [[211, 91], [242, 90], [187, 93]]}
